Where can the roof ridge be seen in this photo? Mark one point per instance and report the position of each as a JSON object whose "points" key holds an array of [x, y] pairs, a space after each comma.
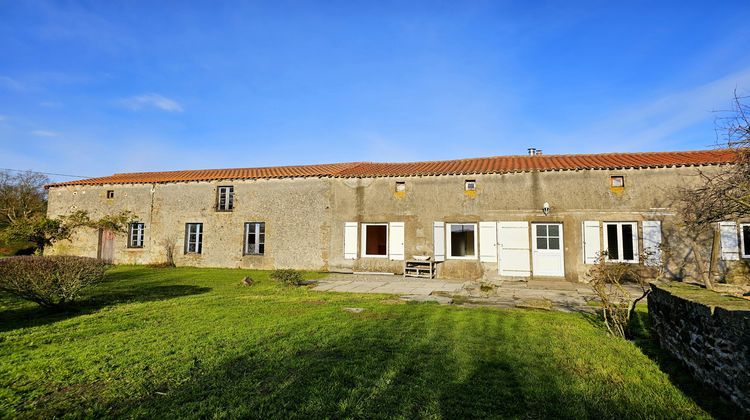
{"points": [[476, 165]]}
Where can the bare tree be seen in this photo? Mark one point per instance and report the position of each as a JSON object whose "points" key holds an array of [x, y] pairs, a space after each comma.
{"points": [[22, 195], [721, 194]]}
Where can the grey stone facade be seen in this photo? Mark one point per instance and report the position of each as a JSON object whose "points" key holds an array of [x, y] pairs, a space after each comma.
{"points": [[305, 217]]}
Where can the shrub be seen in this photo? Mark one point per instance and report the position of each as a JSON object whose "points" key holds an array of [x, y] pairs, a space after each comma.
{"points": [[287, 277], [608, 280], [49, 281]]}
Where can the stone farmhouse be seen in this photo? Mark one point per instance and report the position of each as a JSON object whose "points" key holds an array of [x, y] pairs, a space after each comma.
{"points": [[546, 216]]}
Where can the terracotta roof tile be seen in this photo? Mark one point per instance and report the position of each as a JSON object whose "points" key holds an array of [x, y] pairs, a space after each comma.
{"points": [[496, 164]]}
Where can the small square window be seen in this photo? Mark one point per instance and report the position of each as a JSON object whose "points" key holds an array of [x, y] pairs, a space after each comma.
{"points": [[110, 193], [617, 181], [470, 185], [400, 186]]}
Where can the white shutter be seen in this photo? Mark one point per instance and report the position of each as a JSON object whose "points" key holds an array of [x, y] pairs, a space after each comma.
{"points": [[438, 241], [652, 241], [592, 246], [730, 247], [513, 244], [396, 241], [350, 240], [488, 241]]}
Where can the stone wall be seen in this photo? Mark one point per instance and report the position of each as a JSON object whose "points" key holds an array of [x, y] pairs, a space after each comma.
{"points": [[711, 338], [305, 217]]}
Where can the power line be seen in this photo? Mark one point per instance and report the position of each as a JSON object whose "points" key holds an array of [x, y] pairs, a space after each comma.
{"points": [[44, 173]]}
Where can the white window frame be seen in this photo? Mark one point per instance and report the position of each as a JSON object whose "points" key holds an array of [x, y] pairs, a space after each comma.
{"points": [[227, 192], [470, 185], [559, 236], [364, 240], [198, 237], [448, 241], [258, 239], [744, 246], [636, 248], [135, 234]]}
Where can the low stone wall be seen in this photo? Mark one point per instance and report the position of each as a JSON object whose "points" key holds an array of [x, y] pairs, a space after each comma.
{"points": [[710, 333]]}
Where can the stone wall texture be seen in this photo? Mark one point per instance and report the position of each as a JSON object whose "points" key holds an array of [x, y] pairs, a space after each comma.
{"points": [[713, 342], [305, 217]]}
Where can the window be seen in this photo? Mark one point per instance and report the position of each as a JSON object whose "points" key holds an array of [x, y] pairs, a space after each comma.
{"points": [[547, 236], [470, 185], [255, 238], [194, 238], [462, 240], [745, 239], [617, 181], [375, 240], [135, 235], [225, 198], [622, 241], [110, 193], [400, 186]]}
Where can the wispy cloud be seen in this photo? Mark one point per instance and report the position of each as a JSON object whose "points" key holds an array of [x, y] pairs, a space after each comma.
{"points": [[151, 100], [10, 83], [655, 121], [45, 133]]}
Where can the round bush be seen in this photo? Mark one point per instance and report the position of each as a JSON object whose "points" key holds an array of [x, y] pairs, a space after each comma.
{"points": [[287, 277], [52, 281]]}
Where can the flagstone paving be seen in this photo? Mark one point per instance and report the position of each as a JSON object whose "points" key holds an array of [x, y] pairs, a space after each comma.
{"points": [[542, 294]]}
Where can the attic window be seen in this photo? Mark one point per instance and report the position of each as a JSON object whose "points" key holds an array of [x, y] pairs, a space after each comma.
{"points": [[470, 185], [110, 193], [400, 186], [617, 181]]}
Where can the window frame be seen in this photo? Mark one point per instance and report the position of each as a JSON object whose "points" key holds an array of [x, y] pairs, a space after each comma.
{"points": [[473, 187], [140, 234], [364, 240], [110, 194], [535, 236], [636, 247], [199, 238], [612, 179], [400, 187], [258, 242], [449, 245], [744, 246], [228, 190]]}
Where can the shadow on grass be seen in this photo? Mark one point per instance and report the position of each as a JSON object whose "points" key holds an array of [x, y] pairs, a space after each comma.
{"points": [[403, 370], [678, 373], [33, 315]]}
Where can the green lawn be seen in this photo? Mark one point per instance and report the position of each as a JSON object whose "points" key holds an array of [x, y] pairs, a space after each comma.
{"points": [[194, 343]]}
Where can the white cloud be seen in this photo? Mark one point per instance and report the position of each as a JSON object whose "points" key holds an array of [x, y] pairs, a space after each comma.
{"points": [[151, 100], [10, 83], [45, 133], [652, 122]]}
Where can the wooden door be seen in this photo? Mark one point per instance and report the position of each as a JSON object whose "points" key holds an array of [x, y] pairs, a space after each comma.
{"points": [[106, 245]]}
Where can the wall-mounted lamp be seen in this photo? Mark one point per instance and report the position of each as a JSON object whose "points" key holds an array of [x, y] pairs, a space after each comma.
{"points": [[545, 208]]}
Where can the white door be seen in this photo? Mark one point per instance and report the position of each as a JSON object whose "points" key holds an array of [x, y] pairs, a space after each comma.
{"points": [[547, 243], [513, 249]]}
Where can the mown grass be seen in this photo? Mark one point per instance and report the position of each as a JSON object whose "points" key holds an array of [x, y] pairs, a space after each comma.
{"points": [[195, 343]]}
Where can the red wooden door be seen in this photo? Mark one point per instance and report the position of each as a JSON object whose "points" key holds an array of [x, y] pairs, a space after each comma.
{"points": [[106, 245]]}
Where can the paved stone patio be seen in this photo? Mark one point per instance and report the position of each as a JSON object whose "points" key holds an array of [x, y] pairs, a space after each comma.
{"points": [[543, 294], [395, 284]]}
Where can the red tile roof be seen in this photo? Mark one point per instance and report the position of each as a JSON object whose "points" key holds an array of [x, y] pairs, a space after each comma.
{"points": [[487, 165]]}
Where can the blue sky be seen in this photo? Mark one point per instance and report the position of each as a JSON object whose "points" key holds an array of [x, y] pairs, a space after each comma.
{"points": [[92, 88]]}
